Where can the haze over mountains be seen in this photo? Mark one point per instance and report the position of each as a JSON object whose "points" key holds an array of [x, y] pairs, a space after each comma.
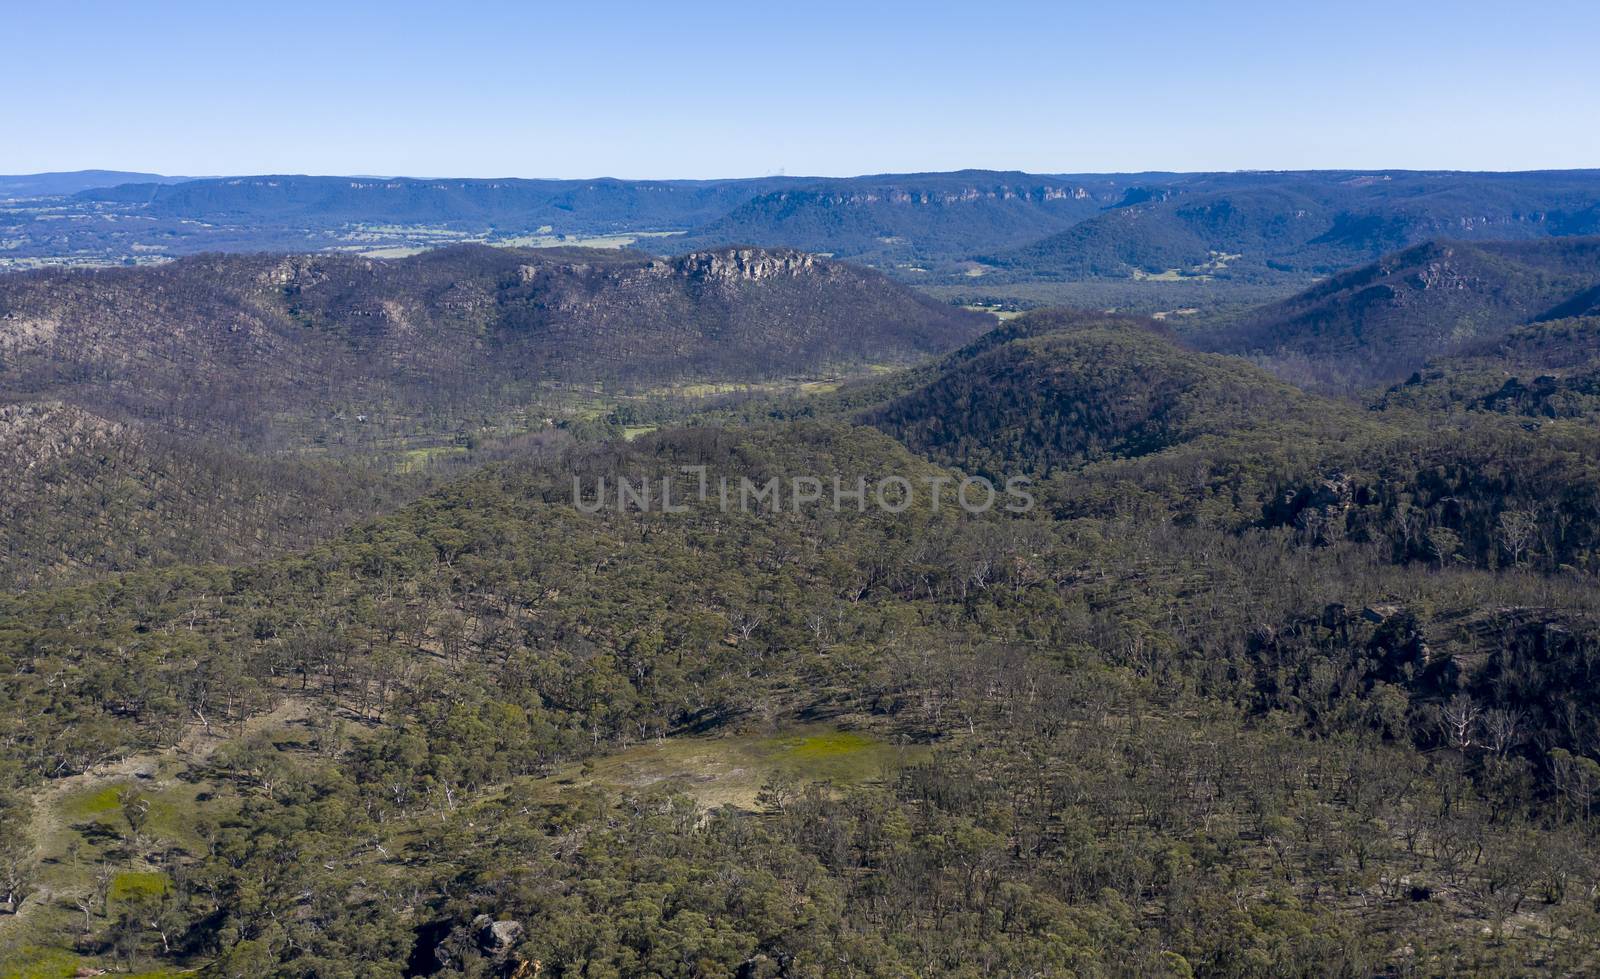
{"points": [[73, 181], [980, 227]]}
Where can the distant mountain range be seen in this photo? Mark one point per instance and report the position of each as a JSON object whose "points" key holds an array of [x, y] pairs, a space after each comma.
{"points": [[570, 206], [74, 181], [911, 218], [1254, 224], [968, 226]]}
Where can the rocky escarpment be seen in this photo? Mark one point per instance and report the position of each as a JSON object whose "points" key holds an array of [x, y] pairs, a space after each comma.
{"points": [[745, 264]]}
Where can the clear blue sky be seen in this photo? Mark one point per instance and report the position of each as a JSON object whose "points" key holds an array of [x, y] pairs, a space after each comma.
{"points": [[719, 89]]}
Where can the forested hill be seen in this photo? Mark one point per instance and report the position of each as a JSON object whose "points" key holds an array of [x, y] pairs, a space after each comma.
{"points": [[1381, 321], [1258, 224], [1053, 390], [1089, 406], [266, 347]]}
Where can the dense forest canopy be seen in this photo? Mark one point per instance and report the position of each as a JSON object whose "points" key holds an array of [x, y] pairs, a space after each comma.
{"points": [[315, 666]]}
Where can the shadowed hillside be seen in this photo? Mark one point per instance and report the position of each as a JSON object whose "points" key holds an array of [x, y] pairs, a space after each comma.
{"points": [[1545, 370]]}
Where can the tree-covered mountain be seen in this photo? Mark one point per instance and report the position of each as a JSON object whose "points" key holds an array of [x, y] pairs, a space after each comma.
{"points": [[1058, 390], [299, 350], [1260, 224], [1379, 322], [1106, 413]]}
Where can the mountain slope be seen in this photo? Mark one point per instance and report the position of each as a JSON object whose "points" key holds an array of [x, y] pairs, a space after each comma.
{"points": [[1108, 414], [1382, 321], [260, 346], [81, 494], [1059, 390], [1549, 369]]}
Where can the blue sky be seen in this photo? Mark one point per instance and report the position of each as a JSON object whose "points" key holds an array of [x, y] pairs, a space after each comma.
{"points": [[720, 89]]}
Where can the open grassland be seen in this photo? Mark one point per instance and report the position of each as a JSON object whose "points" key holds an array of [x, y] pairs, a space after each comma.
{"points": [[733, 770]]}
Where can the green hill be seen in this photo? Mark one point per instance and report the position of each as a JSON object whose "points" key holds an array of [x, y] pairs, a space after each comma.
{"points": [[1056, 390]]}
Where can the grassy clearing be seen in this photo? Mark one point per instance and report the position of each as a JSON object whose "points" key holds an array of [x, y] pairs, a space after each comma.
{"points": [[132, 884], [730, 770], [416, 460], [94, 802], [1170, 275], [543, 238], [78, 823], [1185, 311], [52, 963], [998, 312], [818, 385], [831, 745]]}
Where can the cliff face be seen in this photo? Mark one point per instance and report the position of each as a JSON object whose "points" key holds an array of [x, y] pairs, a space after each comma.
{"points": [[745, 265]]}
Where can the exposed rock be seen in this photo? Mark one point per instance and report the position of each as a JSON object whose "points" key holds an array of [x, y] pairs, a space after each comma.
{"points": [[496, 937], [746, 264], [1377, 614], [757, 967]]}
